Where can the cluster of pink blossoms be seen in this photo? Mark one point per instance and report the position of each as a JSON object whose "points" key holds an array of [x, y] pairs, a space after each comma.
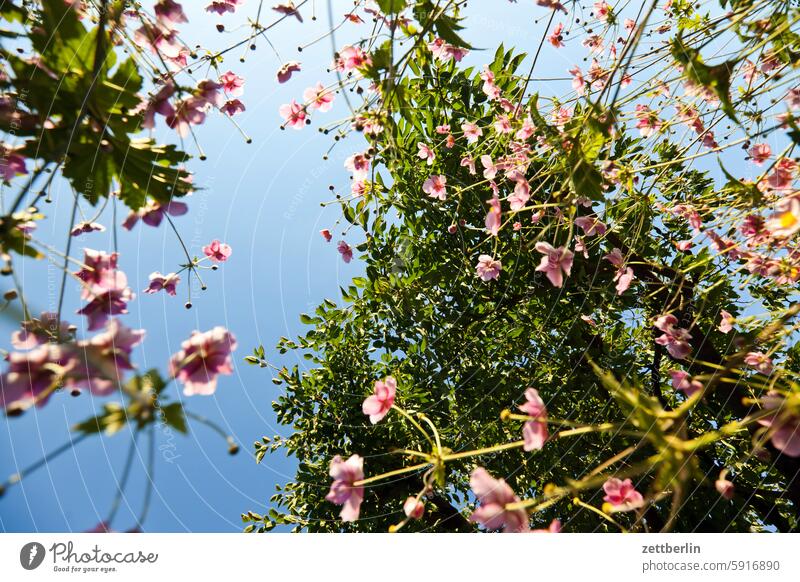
{"points": [[49, 358], [105, 288], [674, 338]]}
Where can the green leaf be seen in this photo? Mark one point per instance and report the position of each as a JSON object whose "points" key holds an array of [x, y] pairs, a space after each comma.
{"points": [[392, 6], [173, 415]]}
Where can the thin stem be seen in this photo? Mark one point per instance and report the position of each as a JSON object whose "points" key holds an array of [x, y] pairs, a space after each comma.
{"points": [[391, 474], [126, 472], [17, 477]]}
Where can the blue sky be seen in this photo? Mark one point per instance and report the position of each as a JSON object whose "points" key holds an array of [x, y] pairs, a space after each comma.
{"points": [[264, 200]]}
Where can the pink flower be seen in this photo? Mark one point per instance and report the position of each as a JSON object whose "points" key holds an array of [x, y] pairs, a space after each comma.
{"points": [[217, 251], [326, 234], [169, 13], [158, 103], [294, 115], [36, 332], [319, 98], [725, 488], [358, 164], [446, 52], [166, 282], [351, 57], [786, 220], [436, 187], [288, 9], [554, 527], [31, 377], [760, 362], [86, 227], [674, 338], [202, 358], [784, 426], [488, 268], [345, 250], [471, 131], [494, 495], [426, 153], [380, 403], [286, 70], [468, 162], [11, 163], [99, 272], [683, 382], [104, 358], [649, 123], [223, 6], [621, 495], [232, 107], [760, 153], [590, 225], [726, 323], [232, 83], [534, 432], [343, 489], [578, 83], [526, 131], [521, 195], [104, 286], [153, 212], [502, 124], [413, 508], [556, 37], [602, 11], [187, 112], [554, 262], [494, 216], [624, 278], [490, 169]]}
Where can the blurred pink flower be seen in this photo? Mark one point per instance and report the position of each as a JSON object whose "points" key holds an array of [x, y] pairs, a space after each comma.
{"points": [[160, 282], [412, 508], [493, 495], [676, 339], [725, 488], [286, 71], [288, 9], [345, 250], [554, 262], [726, 322], [380, 403], [202, 358], [232, 107], [760, 362], [488, 268], [683, 382], [784, 426], [343, 489], [426, 153], [493, 216], [534, 432]]}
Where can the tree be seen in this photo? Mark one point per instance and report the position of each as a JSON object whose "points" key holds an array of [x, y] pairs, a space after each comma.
{"points": [[560, 290]]}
